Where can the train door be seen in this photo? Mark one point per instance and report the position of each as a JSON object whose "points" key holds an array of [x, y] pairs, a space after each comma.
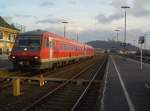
{"points": [[84, 50], [50, 48], [45, 48], [46, 52], [47, 45]]}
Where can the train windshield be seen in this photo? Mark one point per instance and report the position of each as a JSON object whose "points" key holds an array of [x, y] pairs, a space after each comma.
{"points": [[27, 43]]}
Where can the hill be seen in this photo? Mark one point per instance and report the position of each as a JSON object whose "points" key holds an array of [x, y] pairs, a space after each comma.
{"points": [[111, 45]]}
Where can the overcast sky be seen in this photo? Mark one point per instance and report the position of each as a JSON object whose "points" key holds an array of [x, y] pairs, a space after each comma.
{"points": [[92, 19]]}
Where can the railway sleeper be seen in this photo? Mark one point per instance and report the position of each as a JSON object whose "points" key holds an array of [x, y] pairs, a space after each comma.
{"points": [[63, 100], [88, 103], [66, 94], [54, 108], [87, 108], [60, 103], [57, 106], [58, 98]]}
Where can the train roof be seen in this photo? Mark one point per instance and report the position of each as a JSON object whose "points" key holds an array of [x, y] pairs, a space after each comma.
{"points": [[38, 33], [33, 33]]}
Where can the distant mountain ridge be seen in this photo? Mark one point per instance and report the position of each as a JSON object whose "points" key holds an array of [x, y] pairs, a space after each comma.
{"points": [[111, 45]]}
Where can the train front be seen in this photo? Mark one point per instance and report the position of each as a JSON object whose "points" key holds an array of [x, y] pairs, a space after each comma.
{"points": [[26, 51]]}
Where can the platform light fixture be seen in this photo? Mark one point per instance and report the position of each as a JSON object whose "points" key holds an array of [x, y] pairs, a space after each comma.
{"points": [[117, 30], [64, 22]]}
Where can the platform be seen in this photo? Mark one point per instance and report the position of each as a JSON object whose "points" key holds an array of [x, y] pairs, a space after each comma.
{"points": [[126, 86], [5, 63], [3, 57]]}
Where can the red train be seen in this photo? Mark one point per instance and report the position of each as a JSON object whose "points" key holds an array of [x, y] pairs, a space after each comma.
{"points": [[41, 49]]}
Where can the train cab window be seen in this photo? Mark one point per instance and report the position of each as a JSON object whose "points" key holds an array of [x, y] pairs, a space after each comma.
{"points": [[27, 42]]}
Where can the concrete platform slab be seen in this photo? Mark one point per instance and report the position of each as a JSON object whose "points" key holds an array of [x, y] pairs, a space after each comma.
{"points": [[125, 86]]}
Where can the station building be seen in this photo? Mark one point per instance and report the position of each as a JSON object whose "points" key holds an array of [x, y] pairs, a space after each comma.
{"points": [[7, 36]]}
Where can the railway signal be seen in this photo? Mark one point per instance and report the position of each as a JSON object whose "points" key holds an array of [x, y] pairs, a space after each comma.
{"points": [[141, 41]]}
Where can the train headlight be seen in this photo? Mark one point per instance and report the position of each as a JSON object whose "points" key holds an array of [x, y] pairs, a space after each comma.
{"points": [[36, 57], [13, 57]]}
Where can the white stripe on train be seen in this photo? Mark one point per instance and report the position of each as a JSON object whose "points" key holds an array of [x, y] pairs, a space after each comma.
{"points": [[62, 58]]}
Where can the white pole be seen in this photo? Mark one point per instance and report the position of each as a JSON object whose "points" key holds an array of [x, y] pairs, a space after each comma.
{"points": [[141, 58]]}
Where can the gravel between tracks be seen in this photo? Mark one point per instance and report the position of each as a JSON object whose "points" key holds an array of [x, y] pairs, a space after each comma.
{"points": [[31, 91]]}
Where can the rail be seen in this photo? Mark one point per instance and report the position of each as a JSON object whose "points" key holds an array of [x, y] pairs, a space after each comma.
{"points": [[86, 89], [54, 90]]}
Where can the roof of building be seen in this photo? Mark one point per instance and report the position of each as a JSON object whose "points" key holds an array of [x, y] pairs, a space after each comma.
{"points": [[3, 23]]}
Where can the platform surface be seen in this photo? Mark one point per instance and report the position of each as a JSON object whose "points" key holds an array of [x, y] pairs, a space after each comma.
{"points": [[3, 57], [127, 87]]}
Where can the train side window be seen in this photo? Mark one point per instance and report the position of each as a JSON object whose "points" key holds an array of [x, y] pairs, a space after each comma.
{"points": [[61, 45], [64, 46], [50, 44], [54, 44]]}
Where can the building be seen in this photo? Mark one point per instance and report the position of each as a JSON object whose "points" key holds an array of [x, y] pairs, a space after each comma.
{"points": [[7, 36]]}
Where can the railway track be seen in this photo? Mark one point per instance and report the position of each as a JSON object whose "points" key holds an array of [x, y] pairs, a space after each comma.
{"points": [[69, 96], [5, 80], [46, 72]]}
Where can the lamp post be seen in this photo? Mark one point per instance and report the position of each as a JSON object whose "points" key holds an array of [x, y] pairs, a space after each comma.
{"points": [[125, 31], [117, 34], [64, 27]]}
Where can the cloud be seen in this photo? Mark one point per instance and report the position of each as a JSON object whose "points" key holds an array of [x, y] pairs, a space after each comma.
{"points": [[49, 20], [103, 19], [24, 16], [138, 9], [8, 18], [73, 2], [47, 4], [20, 17]]}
